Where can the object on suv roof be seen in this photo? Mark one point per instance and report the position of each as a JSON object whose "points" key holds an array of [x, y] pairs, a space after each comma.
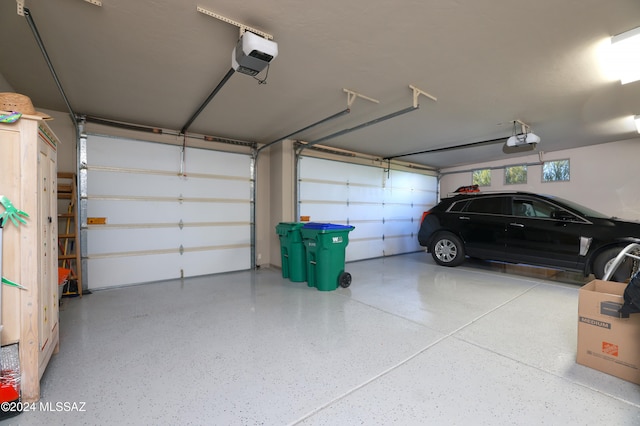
{"points": [[467, 189], [522, 227]]}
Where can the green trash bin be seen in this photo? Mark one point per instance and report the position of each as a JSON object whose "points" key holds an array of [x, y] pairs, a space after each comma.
{"points": [[325, 244], [292, 251]]}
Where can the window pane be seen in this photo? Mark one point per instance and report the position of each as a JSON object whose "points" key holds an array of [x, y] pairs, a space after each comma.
{"points": [[491, 205], [458, 207], [532, 208], [482, 177], [515, 174], [555, 171]]}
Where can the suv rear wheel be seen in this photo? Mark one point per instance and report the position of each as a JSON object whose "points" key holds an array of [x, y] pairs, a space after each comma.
{"points": [[447, 249]]}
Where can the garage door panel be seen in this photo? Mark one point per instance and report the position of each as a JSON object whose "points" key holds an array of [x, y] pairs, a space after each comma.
{"points": [[215, 261], [398, 245], [324, 191], [370, 211], [108, 240], [398, 227], [364, 229], [215, 188], [357, 174], [398, 195], [402, 179], [113, 272], [397, 210], [220, 235], [331, 213], [204, 161], [367, 249], [132, 154], [216, 212], [104, 183], [426, 185], [317, 168], [365, 193], [119, 212]]}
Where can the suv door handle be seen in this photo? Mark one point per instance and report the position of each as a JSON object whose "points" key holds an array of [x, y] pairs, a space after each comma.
{"points": [[519, 225], [464, 218]]}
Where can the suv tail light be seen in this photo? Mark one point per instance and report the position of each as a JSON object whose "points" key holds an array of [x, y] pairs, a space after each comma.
{"points": [[424, 215]]}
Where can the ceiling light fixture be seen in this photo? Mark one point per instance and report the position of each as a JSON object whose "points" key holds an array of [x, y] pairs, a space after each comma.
{"points": [[626, 57], [524, 137], [637, 121]]}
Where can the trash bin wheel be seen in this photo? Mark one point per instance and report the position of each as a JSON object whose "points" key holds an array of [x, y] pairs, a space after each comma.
{"points": [[345, 279]]}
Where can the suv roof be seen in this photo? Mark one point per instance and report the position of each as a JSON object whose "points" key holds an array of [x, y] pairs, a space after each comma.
{"points": [[452, 195]]}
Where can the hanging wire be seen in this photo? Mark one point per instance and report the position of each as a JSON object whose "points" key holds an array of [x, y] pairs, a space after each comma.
{"points": [[264, 80]]}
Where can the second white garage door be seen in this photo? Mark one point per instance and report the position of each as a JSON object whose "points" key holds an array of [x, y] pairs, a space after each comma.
{"points": [[384, 206]]}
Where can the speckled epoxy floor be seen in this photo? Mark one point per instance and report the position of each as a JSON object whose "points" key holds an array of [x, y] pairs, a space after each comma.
{"points": [[408, 343]]}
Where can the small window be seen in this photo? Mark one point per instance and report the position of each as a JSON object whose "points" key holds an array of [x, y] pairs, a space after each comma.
{"points": [[515, 174], [555, 171], [482, 177]]}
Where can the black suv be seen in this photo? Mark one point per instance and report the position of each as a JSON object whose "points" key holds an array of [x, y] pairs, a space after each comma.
{"points": [[521, 227]]}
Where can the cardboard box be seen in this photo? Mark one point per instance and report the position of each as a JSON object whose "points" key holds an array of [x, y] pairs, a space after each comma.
{"points": [[607, 342]]}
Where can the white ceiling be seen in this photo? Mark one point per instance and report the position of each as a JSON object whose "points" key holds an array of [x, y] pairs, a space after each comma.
{"points": [[488, 62]]}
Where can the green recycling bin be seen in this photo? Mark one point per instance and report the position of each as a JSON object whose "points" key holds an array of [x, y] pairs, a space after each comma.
{"points": [[325, 244], [292, 251]]}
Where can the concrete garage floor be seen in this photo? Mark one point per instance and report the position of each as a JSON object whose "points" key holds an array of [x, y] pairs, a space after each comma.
{"points": [[409, 343]]}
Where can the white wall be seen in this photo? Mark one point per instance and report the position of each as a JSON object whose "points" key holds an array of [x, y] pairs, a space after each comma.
{"points": [[4, 85], [603, 177], [64, 129]]}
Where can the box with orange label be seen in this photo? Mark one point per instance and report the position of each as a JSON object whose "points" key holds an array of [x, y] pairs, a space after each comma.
{"points": [[607, 342]]}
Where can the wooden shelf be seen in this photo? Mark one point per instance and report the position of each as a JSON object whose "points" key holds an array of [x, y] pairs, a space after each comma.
{"points": [[69, 248]]}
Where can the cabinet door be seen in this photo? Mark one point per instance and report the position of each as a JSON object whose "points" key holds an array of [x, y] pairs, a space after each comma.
{"points": [[47, 222]]}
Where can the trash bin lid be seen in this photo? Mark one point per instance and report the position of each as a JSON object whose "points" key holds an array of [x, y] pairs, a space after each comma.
{"points": [[327, 227], [291, 225], [283, 228]]}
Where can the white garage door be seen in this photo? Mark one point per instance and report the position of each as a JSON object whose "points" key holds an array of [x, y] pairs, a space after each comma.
{"points": [[159, 224], [384, 206]]}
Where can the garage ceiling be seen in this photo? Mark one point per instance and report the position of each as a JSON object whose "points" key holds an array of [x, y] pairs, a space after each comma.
{"points": [[488, 62]]}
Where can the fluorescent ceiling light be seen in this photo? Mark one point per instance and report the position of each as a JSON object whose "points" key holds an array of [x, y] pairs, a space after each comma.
{"points": [[626, 55], [637, 120]]}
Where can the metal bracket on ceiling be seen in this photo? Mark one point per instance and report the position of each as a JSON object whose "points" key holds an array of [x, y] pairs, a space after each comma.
{"points": [[241, 26], [351, 97], [417, 92], [525, 128], [20, 4]]}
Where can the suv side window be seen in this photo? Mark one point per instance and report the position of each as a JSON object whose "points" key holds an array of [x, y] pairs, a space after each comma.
{"points": [[459, 206], [526, 207], [487, 205]]}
